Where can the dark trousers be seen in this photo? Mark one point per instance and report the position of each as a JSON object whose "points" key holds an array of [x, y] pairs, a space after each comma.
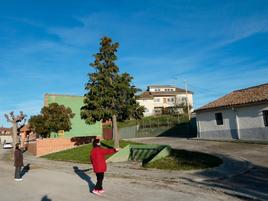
{"points": [[100, 177], [18, 172]]}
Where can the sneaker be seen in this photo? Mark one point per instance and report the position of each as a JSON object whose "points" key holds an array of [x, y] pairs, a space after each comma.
{"points": [[19, 179], [101, 191], [96, 192]]}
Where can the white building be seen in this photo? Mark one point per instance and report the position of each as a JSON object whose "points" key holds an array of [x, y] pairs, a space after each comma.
{"points": [[159, 97], [241, 114]]}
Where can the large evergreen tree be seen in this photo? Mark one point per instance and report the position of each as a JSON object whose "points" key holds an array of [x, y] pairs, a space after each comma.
{"points": [[110, 94]]}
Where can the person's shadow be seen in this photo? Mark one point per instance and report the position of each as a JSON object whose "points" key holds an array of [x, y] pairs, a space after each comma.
{"points": [[45, 198], [84, 176], [25, 169]]}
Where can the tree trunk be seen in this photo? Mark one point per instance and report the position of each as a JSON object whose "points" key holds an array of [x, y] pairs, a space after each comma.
{"points": [[115, 132], [14, 134]]}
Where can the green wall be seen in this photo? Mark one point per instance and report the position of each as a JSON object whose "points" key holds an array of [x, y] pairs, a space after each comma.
{"points": [[79, 127]]}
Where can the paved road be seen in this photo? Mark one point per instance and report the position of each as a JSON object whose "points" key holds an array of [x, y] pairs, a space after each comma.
{"points": [[61, 181], [253, 182]]}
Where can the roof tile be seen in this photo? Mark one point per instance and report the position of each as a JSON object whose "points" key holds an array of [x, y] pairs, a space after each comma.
{"points": [[240, 97]]}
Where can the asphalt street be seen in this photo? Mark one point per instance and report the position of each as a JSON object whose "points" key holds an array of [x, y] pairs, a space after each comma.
{"points": [[63, 181]]}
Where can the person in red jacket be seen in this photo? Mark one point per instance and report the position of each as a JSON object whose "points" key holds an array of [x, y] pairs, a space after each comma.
{"points": [[97, 158]]}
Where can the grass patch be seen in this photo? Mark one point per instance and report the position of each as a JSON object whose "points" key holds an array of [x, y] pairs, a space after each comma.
{"points": [[128, 123], [81, 154], [185, 160], [78, 154], [154, 121]]}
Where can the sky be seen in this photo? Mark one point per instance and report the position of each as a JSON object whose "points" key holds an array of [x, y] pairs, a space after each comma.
{"points": [[46, 46]]}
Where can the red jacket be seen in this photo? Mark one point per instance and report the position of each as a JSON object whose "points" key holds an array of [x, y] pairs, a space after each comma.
{"points": [[97, 157]]}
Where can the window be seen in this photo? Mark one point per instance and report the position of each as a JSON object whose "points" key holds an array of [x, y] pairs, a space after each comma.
{"points": [[170, 99], [157, 100], [184, 99], [158, 110], [265, 117], [219, 119], [164, 100]]}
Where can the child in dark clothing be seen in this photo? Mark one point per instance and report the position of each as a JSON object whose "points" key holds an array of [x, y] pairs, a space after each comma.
{"points": [[18, 163], [97, 158]]}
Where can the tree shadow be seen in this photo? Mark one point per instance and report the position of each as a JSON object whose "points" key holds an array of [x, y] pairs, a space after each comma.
{"points": [[182, 130], [82, 140], [85, 177], [251, 183], [25, 170], [45, 198]]}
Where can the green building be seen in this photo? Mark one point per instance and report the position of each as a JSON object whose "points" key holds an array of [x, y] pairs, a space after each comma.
{"points": [[79, 127]]}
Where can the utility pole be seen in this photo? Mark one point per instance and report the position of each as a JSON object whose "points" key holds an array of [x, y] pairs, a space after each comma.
{"points": [[176, 103], [187, 102]]}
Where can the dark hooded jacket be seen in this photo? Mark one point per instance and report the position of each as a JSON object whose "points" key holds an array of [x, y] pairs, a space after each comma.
{"points": [[18, 158]]}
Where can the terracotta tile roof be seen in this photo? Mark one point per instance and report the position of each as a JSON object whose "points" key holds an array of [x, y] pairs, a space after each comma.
{"points": [[5, 131], [25, 128], [256, 94], [145, 95], [179, 90]]}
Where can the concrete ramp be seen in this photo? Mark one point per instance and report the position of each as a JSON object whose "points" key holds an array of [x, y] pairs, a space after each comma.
{"points": [[142, 153]]}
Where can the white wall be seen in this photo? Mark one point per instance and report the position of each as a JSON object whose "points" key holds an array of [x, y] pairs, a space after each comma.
{"points": [[149, 105], [6, 138], [189, 98], [161, 103], [251, 123], [208, 128], [242, 122]]}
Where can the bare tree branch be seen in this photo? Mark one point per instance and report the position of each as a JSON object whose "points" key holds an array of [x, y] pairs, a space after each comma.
{"points": [[12, 115], [8, 119]]}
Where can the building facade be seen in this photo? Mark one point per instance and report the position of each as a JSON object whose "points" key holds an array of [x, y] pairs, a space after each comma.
{"points": [[79, 127], [160, 97], [242, 114]]}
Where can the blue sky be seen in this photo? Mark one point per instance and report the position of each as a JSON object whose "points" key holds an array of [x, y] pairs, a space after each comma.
{"points": [[46, 46]]}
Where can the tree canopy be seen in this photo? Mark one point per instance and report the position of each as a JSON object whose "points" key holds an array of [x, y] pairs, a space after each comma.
{"points": [[52, 118], [109, 92]]}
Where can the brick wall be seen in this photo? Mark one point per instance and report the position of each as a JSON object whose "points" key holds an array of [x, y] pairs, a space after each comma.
{"points": [[31, 147], [107, 133], [50, 145]]}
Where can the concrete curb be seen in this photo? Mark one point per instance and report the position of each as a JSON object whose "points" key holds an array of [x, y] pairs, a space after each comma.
{"points": [[241, 195], [248, 167]]}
